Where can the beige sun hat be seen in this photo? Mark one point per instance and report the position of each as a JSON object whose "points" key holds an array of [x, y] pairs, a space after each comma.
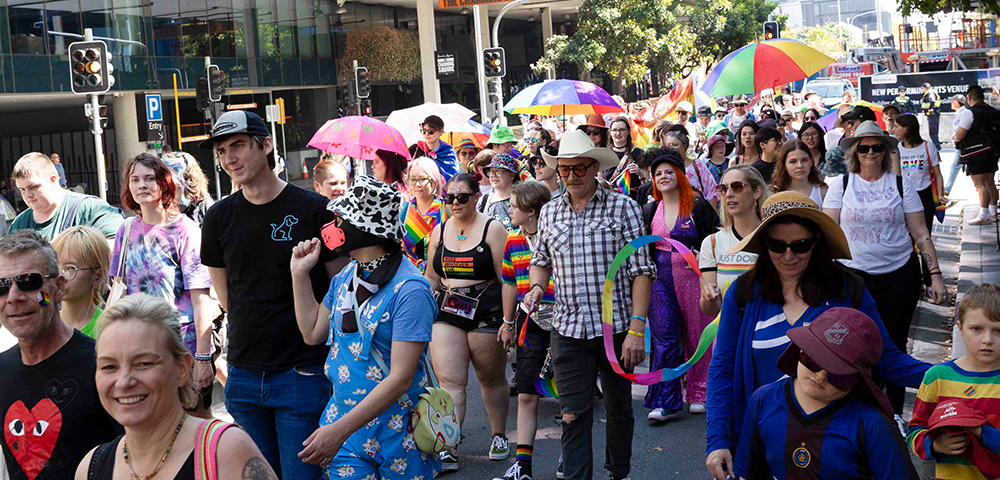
{"points": [[797, 204]]}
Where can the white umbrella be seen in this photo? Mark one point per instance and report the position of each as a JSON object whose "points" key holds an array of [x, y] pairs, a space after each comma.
{"points": [[408, 120]]}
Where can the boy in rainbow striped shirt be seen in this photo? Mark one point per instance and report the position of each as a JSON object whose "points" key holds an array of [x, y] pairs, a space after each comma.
{"points": [[972, 380], [526, 201]]}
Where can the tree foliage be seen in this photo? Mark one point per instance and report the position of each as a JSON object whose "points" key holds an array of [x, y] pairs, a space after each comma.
{"points": [[389, 54], [933, 7], [624, 38], [825, 38]]}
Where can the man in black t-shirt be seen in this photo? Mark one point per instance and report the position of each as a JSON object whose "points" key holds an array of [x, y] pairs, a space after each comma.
{"points": [[52, 415], [276, 388]]}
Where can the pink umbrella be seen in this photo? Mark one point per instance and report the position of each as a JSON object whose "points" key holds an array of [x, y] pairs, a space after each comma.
{"points": [[359, 137]]}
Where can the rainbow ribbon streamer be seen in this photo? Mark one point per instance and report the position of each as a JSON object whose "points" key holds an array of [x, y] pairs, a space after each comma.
{"points": [[607, 323]]}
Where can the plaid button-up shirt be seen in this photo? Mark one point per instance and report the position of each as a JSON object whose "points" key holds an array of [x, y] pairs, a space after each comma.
{"points": [[579, 248]]}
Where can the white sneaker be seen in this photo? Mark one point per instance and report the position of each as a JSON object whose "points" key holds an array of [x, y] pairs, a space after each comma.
{"points": [[662, 415], [980, 220], [902, 424], [500, 448], [696, 408]]}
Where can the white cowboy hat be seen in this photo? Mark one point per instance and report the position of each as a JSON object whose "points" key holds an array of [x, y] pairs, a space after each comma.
{"points": [[576, 144]]}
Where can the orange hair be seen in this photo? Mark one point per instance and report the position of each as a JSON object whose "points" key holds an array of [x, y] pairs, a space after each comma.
{"points": [[685, 194]]}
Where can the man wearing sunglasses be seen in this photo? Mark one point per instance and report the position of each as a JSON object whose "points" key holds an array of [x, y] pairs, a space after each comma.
{"points": [[579, 235], [432, 147], [49, 401], [52, 209]]}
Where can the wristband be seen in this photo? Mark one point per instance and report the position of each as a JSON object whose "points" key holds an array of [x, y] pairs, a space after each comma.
{"points": [[203, 357], [638, 334], [639, 317], [537, 285], [508, 323]]}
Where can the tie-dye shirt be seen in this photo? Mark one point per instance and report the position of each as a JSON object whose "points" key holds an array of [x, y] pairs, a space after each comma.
{"points": [[165, 261]]}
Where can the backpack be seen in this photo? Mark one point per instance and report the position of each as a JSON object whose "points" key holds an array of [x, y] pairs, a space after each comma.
{"points": [[854, 285], [899, 182]]}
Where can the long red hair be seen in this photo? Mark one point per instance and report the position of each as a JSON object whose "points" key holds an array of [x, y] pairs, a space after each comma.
{"points": [[685, 194]]}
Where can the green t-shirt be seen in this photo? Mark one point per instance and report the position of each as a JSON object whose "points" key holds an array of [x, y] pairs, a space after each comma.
{"points": [[93, 212], [88, 329]]}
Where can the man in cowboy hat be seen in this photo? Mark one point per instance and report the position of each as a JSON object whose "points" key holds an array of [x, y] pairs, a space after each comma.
{"points": [[579, 235], [739, 113]]}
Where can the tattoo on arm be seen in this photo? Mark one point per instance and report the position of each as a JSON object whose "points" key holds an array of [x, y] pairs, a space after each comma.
{"points": [[928, 260], [257, 469]]}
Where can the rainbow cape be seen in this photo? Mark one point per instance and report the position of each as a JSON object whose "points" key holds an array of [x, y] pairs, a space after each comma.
{"points": [[416, 227]]}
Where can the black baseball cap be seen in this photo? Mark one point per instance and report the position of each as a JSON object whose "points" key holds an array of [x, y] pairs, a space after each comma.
{"points": [[860, 112], [434, 121], [704, 111], [236, 122], [926, 85]]}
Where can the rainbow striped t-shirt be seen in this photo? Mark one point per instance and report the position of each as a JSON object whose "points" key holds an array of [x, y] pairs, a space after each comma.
{"points": [[517, 262], [949, 382]]}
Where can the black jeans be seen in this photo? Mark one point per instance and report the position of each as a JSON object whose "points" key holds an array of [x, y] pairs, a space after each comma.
{"points": [[896, 295], [577, 363], [933, 125]]}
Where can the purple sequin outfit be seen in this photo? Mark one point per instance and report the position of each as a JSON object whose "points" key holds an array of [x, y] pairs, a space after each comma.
{"points": [[675, 317]]}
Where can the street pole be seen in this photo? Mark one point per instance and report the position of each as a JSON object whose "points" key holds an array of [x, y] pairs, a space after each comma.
{"points": [[480, 77], [840, 29], [211, 123], [496, 43], [95, 127], [354, 64]]}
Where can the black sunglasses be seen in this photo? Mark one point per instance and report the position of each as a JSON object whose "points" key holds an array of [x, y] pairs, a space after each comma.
{"points": [[593, 131], [578, 170], [808, 362], [877, 148], [462, 198], [26, 282], [538, 161], [798, 246]]}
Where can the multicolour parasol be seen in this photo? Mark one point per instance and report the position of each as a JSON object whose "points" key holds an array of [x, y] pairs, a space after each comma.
{"points": [[562, 97], [763, 65]]}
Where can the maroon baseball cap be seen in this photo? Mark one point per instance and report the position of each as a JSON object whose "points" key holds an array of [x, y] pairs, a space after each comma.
{"points": [[955, 414], [843, 341]]}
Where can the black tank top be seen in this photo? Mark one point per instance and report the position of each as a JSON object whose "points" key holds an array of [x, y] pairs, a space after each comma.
{"points": [[473, 264], [103, 467]]}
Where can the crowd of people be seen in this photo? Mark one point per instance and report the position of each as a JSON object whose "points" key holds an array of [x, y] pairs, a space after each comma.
{"points": [[330, 315]]}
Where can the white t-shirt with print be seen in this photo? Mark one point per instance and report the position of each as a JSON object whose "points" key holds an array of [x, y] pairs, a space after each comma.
{"points": [[872, 217], [728, 266], [913, 161]]}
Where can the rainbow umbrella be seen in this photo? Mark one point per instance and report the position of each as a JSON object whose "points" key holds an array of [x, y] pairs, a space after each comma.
{"points": [[562, 97], [472, 130], [830, 117], [763, 65], [359, 137]]}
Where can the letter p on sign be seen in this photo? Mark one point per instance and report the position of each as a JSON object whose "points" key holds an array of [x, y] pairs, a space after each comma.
{"points": [[154, 110]]}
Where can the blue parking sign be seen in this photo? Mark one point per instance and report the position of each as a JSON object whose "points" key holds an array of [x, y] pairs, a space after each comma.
{"points": [[154, 109]]}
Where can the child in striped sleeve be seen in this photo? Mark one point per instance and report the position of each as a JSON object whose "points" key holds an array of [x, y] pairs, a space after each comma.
{"points": [[526, 201], [972, 380]]}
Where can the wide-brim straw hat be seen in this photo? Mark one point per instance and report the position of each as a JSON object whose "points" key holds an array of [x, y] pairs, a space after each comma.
{"points": [[797, 204]]}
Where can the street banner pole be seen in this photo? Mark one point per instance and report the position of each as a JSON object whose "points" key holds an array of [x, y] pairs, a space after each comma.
{"points": [[480, 78], [496, 43], [95, 127]]}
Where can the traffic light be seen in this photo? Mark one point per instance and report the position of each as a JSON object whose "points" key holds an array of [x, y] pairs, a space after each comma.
{"points": [[363, 82], [90, 67], [201, 91], [216, 83], [494, 64], [366, 107], [771, 30]]}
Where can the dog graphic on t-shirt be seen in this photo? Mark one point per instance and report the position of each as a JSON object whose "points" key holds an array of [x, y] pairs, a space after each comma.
{"points": [[283, 232]]}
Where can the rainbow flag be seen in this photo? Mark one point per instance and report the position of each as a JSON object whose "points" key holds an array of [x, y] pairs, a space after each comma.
{"points": [[665, 107], [416, 227], [623, 183]]}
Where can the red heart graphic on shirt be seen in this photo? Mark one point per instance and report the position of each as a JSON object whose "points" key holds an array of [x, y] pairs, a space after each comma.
{"points": [[31, 435]]}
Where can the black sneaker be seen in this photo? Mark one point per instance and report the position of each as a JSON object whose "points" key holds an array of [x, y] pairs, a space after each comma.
{"points": [[517, 471], [449, 461]]}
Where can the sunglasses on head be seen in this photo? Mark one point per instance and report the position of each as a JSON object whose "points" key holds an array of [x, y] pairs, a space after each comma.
{"points": [[578, 170], [462, 198], [877, 148], [797, 247], [26, 282], [736, 186]]}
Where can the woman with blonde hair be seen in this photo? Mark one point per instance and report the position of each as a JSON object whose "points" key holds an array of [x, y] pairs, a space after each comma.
{"points": [[84, 258], [742, 192], [424, 211], [144, 382]]}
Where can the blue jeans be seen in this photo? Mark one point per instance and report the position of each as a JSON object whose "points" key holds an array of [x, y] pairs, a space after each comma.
{"points": [[955, 167], [279, 410]]}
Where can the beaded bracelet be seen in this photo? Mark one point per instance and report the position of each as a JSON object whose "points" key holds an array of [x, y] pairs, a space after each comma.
{"points": [[203, 357]]}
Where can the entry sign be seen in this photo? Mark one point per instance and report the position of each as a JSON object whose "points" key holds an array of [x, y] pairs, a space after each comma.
{"points": [[154, 108]]}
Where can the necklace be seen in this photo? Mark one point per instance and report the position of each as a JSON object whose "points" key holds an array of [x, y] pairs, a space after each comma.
{"points": [[461, 231], [128, 460]]}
